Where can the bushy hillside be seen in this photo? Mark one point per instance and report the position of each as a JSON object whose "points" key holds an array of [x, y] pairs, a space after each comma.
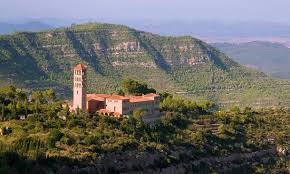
{"points": [[41, 136], [271, 58], [175, 64]]}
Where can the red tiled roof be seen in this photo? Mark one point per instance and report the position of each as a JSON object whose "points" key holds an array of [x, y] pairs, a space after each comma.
{"points": [[133, 99], [118, 97], [80, 67], [151, 95], [100, 97], [103, 95], [143, 98]]}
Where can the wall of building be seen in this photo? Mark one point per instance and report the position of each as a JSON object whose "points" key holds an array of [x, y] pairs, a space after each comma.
{"points": [[95, 105], [124, 107], [115, 105]]}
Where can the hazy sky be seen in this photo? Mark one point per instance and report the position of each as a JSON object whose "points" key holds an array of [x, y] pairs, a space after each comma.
{"points": [[266, 10]]}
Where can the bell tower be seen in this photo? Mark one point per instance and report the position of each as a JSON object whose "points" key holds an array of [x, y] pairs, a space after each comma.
{"points": [[80, 87]]}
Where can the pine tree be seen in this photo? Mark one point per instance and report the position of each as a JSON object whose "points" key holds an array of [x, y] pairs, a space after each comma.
{"points": [[36, 107], [2, 111], [25, 107], [66, 110], [13, 110], [78, 111]]}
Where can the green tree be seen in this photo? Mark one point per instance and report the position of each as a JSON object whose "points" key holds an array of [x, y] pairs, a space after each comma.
{"points": [[25, 105], [49, 95], [66, 110], [121, 92], [37, 97], [54, 136], [19, 107], [180, 105], [8, 92], [2, 98], [235, 109], [164, 95], [36, 107], [20, 95], [138, 113], [2, 111], [134, 87], [12, 108]]}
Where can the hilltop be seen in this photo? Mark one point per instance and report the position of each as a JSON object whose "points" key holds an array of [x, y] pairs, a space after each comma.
{"points": [[182, 65]]}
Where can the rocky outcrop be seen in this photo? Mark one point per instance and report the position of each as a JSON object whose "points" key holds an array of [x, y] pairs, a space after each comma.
{"points": [[137, 64]]}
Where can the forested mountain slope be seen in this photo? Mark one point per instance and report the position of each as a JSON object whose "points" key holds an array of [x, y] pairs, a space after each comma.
{"points": [[175, 64], [271, 58]]}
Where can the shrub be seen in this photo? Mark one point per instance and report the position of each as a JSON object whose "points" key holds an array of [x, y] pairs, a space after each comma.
{"points": [[54, 136], [89, 140], [67, 140]]}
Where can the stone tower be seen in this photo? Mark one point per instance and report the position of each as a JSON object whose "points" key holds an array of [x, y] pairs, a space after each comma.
{"points": [[80, 87]]}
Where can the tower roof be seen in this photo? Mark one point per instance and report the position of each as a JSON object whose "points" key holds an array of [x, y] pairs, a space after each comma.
{"points": [[80, 67]]}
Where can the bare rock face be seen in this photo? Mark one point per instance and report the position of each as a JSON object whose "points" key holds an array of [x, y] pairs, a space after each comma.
{"points": [[127, 46], [138, 64]]}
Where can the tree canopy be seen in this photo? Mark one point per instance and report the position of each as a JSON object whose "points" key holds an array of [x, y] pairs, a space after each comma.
{"points": [[133, 87]]}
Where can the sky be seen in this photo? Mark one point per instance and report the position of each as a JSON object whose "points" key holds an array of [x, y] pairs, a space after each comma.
{"points": [[114, 10]]}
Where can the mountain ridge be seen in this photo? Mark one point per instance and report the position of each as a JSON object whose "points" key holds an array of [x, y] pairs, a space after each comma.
{"points": [[269, 57], [113, 52], [33, 26]]}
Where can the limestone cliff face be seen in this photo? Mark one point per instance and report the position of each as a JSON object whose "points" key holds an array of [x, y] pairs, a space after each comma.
{"points": [[124, 47], [113, 52]]}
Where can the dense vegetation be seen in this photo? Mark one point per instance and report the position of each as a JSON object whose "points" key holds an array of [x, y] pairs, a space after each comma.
{"points": [[190, 136], [182, 65]]}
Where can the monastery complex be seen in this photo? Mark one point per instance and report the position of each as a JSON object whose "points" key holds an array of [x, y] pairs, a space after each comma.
{"points": [[111, 105]]}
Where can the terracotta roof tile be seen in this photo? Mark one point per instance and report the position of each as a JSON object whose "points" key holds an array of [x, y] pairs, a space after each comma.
{"points": [[118, 97], [133, 99], [80, 67], [100, 97], [151, 95], [136, 100]]}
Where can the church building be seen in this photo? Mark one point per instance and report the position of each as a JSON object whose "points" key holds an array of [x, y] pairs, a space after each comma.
{"points": [[107, 104]]}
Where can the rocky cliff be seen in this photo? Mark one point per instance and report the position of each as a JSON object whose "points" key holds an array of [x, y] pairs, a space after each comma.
{"points": [[175, 64]]}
